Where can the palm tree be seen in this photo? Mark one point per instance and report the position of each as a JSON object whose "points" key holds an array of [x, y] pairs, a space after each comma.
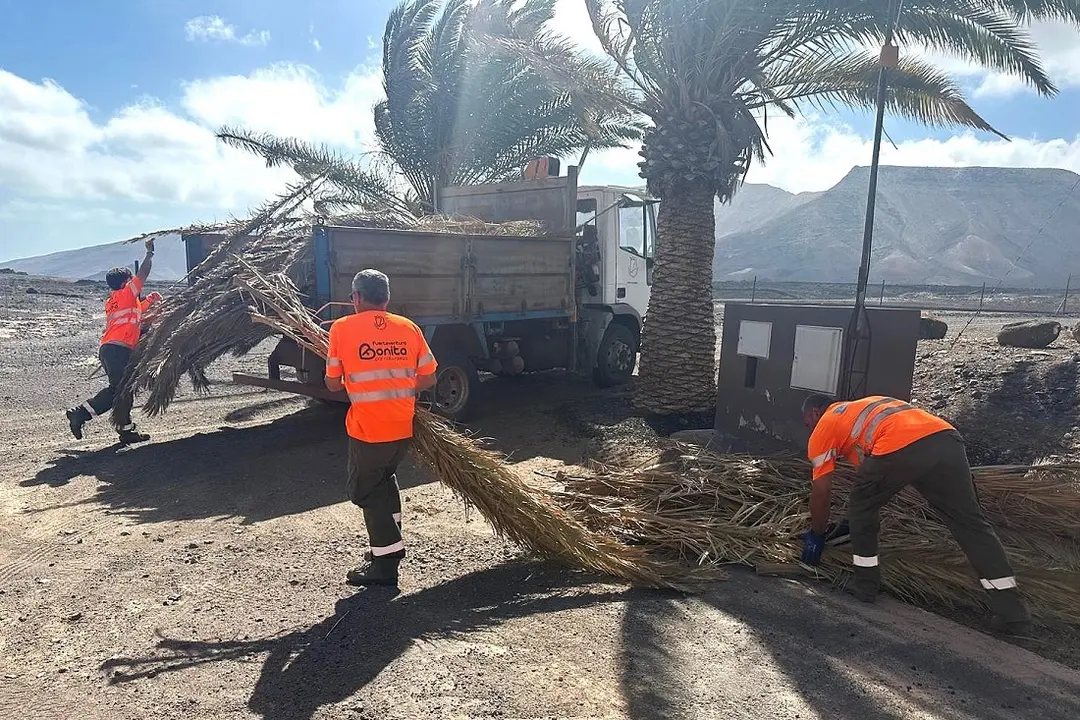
{"points": [[705, 72], [454, 113]]}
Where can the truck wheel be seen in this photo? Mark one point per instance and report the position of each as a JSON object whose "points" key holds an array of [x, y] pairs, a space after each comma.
{"points": [[455, 387], [616, 357]]}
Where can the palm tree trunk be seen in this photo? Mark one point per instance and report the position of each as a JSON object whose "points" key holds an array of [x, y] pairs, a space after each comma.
{"points": [[677, 373]]}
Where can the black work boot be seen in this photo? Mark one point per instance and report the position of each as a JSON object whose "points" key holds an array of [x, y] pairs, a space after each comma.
{"points": [[865, 583], [131, 436], [378, 571], [1020, 629], [1010, 614], [77, 417]]}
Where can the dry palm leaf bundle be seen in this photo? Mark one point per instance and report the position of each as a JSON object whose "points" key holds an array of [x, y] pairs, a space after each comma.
{"points": [[715, 509], [526, 515]]}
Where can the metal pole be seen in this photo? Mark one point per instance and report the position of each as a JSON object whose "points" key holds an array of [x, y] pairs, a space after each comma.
{"points": [[871, 196], [753, 290], [982, 295], [881, 300], [1065, 300], [889, 58]]}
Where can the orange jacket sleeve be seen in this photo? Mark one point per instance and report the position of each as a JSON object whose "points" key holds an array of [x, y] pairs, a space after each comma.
{"points": [[821, 449], [333, 356], [425, 359]]}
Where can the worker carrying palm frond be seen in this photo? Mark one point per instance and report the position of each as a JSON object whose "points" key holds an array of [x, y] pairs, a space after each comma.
{"points": [[382, 360]]}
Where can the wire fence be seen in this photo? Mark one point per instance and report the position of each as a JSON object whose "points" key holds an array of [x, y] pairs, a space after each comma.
{"points": [[1058, 302]]}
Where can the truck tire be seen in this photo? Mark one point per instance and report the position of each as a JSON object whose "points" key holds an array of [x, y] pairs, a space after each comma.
{"points": [[455, 390], [616, 356]]}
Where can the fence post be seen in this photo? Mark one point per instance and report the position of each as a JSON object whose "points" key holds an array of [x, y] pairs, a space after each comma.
{"points": [[881, 300], [753, 290], [982, 295], [1065, 300]]}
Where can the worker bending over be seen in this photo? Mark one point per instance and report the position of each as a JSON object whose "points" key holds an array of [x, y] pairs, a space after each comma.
{"points": [[382, 360], [894, 445], [123, 316]]}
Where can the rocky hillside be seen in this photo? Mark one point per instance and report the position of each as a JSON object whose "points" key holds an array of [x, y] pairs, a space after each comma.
{"points": [[92, 263], [948, 226]]}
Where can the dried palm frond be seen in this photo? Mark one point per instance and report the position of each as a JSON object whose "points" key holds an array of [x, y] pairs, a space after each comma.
{"points": [[723, 509]]}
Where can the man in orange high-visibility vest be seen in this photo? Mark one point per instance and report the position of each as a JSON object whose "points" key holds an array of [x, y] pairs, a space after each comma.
{"points": [[382, 360], [894, 444], [123, 315]]}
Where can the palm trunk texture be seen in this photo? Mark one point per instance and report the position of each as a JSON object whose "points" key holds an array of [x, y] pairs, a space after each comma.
{"points": [[677, 373]]}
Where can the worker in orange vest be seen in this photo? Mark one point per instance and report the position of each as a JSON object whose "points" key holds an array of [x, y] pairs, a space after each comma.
{"points": [[382, 360], [123, 315], [894, 445]]}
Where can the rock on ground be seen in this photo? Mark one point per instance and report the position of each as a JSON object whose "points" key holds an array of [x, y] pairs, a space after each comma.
{"points": [[1029, 333], [932, 328]]}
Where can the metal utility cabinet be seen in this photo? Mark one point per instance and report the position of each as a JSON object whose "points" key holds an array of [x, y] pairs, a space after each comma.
{"points": [[773, 356]]}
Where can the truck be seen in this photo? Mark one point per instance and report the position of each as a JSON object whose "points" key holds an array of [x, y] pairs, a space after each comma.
{"points": [[573, 298]]}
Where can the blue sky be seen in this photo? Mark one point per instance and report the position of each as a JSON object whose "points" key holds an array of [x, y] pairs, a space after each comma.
{"points": [[107, 112]]}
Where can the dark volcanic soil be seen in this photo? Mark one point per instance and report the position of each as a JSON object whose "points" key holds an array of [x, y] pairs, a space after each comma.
{"points": [[200, 575]]}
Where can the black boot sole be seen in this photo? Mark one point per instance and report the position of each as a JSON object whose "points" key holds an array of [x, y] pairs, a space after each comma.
{"points": [[75, 424]]}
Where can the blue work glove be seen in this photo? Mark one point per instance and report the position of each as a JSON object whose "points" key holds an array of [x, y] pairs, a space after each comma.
{"points": [[813, 546]]}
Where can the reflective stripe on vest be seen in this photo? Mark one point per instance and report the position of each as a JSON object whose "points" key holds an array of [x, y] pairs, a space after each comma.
{"points": [[864, 438], [377, 395]]}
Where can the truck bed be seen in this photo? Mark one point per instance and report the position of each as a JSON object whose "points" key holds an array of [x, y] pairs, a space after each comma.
{"points": [[438, 278]]}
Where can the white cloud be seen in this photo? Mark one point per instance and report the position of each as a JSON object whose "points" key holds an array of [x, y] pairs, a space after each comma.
{"points": [[51, 147], [314, 40], [1058, 46], [212, 28]]}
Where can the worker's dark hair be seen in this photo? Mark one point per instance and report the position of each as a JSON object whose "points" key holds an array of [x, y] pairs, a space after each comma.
{"points": [[118, 277], [372, 286], [816, 402]]}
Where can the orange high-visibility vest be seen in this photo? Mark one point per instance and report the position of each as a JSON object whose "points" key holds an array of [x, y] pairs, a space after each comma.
{"points": [[123, 313], [874, 425], [379, 356]]}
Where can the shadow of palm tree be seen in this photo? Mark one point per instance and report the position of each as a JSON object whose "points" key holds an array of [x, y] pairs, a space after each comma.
{"points": [[767, 646], [334, 659]]}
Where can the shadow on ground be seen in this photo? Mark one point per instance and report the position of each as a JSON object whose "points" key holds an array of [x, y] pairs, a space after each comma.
{"points": [[293, 464], [336, 658], [840, 664], [998, 429]]}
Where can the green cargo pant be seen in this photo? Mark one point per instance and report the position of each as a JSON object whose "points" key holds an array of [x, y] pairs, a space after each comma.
{"points": [[374, 488], [937, 468]]}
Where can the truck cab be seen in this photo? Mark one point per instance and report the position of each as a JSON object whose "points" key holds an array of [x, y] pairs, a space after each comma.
{"points": [[616, 227]]}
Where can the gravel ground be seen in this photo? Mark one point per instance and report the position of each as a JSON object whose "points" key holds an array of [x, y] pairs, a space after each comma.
{"points": [[200, 576]]}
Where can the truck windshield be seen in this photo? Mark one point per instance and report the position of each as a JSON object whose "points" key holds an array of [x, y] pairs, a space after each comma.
{"points": [[636, 227]]}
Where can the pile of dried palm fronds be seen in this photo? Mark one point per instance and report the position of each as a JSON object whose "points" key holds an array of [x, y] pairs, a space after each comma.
{"points": [[198, 323], [716, 509], [523, 513]]}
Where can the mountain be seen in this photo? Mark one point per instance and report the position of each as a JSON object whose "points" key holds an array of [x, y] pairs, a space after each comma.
{"points": [[949, 226], [92, 263]]}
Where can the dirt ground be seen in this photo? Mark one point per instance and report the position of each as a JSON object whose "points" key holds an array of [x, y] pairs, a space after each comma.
{"points": [[200, 576]]}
